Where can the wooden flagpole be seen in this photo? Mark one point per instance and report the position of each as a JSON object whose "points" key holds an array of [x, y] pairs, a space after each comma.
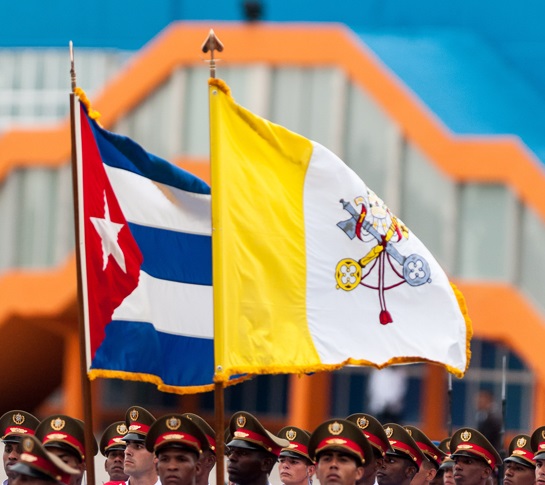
{"points": [[85, 383], [211, 44]]}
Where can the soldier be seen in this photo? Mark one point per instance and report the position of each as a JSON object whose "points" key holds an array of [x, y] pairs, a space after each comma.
{"points": [[474, 457], [404, 461], [341, 452], [64, 436], [538, 447], [139, 462], [37, 466], [295, 466], [520, 466], [445, 474], [378, 440], [112, 447], [252, 450], [435, 456], [178, 444], [208, 457], [13, 426]]}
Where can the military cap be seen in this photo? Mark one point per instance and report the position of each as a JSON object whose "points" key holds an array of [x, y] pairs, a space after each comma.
{"points": [[247, 432], [432, 452], [176, 430], [403, 445], [138, 421], [373, 431], [112, 438], [470, 442], [37, 462], [61, 431], [520, 451], [206, 428], [537, 441], [298, 442], [340, 435], [444, 446], [16, 424]]}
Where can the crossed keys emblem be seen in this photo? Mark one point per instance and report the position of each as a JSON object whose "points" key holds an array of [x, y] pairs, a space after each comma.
{"points": [[377, 226]]}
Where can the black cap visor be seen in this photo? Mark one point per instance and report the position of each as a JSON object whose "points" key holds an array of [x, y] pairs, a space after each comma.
{"points": [[247, 445], [24, 469], [134, 437], [520, 461]]}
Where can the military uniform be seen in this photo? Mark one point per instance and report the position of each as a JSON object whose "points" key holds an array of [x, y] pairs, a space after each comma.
{"points": [[247, 440], [14, 425], [328, 446], [38, 463], [112, 447], [139, 421], [519, 466]]}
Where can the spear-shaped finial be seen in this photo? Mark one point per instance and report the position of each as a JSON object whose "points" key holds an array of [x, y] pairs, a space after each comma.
{"points": [[72, 68], [212, 43]]}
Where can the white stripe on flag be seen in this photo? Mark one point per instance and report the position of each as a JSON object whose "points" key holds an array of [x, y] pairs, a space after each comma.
{"points": [[158, 205], [172, 307]]}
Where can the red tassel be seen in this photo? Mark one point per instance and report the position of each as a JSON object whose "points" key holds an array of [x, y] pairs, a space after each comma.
{"points": [[385, 317]]}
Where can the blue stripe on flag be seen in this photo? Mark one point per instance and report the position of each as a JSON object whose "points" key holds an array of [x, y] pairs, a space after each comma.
{"points": [[175, 256], [137, 347], [121, 152]]}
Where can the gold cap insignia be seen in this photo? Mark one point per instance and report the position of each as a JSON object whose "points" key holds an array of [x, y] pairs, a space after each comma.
{"points": [[409, 431], [335, 428], [362, 423], [18, 419], [57, 424], [122, 428], [465, 435], [173, 436], [241, 421], [28, 445], [173, 423], [521, 442], [240, 434], [335, 441], [291, 434], [133, 415], [389, 432], [543, 433]]}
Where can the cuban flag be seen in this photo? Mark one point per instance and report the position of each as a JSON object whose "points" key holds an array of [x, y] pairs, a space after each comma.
{"points": [[146, 263]]}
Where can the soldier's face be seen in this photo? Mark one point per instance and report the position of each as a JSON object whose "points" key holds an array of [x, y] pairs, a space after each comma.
{"points": [[395, 470], [246, 466], [337, 468], [294, 471], [540, 472], [517, 474], [470, 471], [12, 452], [114, 466], [448, 476], [177, 467], [138, 461]]}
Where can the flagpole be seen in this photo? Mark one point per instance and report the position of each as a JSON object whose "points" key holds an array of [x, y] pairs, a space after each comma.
{"points": [[449, 403], [211, 44], [85, 383]]}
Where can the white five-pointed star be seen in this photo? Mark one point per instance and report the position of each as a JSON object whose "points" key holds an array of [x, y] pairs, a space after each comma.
{"points": [[109, 232]]}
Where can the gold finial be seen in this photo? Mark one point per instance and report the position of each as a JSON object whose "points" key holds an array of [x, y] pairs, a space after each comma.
{"points": [[72, 68], [212, 43]]}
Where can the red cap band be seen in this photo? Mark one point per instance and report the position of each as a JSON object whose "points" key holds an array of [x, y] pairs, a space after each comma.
{"points": [[479, 451], [65, 438], [332, 441]]}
